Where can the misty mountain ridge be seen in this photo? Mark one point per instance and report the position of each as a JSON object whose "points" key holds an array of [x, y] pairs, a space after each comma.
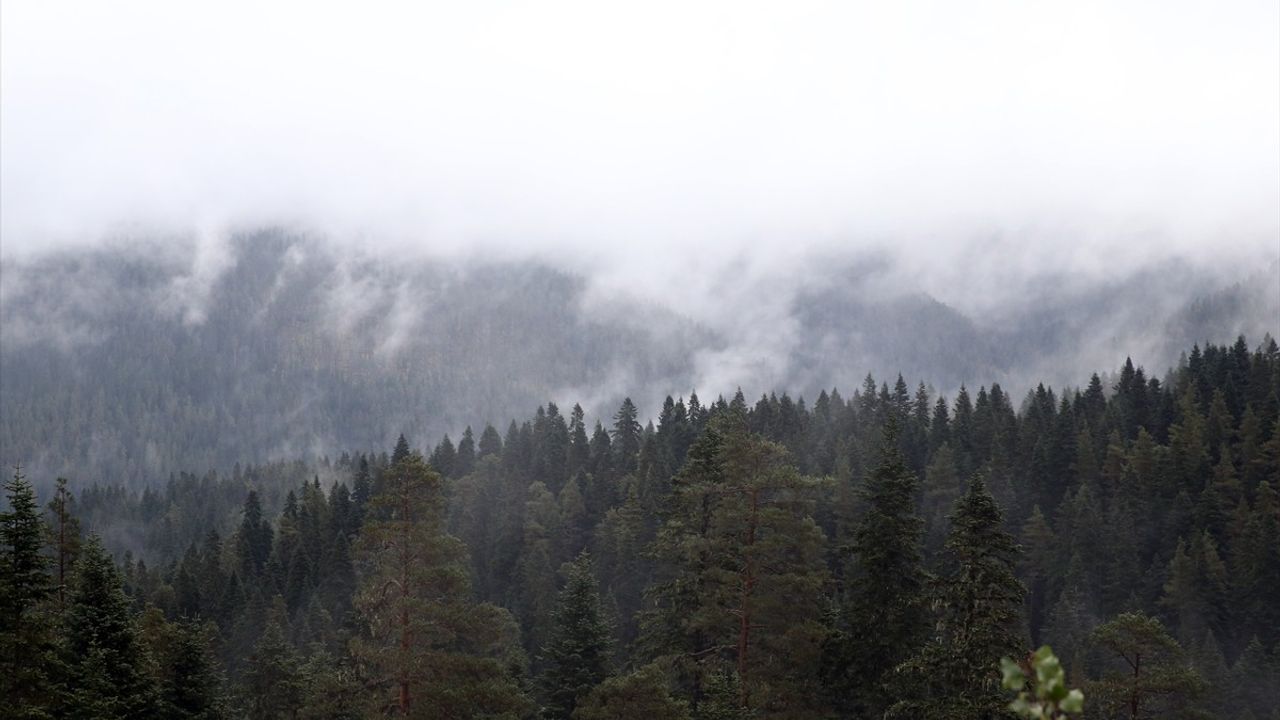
{"points": [[274, 344]]}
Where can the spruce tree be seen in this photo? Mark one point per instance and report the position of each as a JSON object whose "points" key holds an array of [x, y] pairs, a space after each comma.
{"points": [[26, 640], [979, 612], [1039, 551], [577, 655], [579, 455], [253, 540], [490, 443], [331, 688], [884, 588], [625, 440], [465, 459], [534, 593], [191, 688], [401, 450], [272, 686], [103, 645], [1255, 680], [361, 487]]}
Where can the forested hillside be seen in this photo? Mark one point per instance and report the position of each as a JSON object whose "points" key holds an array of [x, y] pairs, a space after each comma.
{"points": [[128, 362], [866, 555]]}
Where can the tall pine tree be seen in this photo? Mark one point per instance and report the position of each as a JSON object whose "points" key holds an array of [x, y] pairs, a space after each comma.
{"points": [[431, 650]]}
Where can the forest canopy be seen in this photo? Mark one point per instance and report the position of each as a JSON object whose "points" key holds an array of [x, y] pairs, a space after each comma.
{"points": [[869, 556]]}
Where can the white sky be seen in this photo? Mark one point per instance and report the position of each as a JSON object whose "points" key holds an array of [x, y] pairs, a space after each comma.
{"points": [[1079, 134]]}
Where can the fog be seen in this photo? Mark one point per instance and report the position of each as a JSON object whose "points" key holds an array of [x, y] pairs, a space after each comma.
{"points": [[725, 162], [656, 135]]}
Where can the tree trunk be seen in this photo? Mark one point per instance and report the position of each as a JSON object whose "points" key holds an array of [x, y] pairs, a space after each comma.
{"points": [[748, 585]]}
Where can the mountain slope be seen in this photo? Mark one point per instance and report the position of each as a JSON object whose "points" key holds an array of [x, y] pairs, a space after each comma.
{"points": [[126, 363]]}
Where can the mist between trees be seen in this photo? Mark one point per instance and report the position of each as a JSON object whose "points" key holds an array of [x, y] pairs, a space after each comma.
{"points": [[874, 555], [128, 361]]}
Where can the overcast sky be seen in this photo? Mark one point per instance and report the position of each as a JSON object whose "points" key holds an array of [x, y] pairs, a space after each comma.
{"points": [[1078, 133]]}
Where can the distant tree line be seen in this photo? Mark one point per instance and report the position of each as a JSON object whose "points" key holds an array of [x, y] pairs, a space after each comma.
{"points": [[125, 363], [868, 557]]}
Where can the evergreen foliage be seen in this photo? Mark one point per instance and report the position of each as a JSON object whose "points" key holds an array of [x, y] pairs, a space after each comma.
{"points": [[885, 584], [577, 656], [431, 650], [725, 580]]}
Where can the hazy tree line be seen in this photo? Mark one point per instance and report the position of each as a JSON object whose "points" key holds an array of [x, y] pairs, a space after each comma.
{"points": [[134, 361], [862, 557]]}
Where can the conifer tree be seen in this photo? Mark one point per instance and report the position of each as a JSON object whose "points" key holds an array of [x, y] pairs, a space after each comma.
{"points": [[1260, 564], [443, 457], [884, 588], [619, 546], [747, 571], [722, 698], [575, 522], [401, 450], [625, 440], [1255, 680], [272, 682], [602, 465], [26, 641], [64, 532], [979, 608], [331, 688], [191, 687], [942, 487], [577, 655], [1039, 548], [534, 596], [490, 443], [465, 459], [431, 650], [253, 540], [361, 487], [643, 694], [1147, 676], [103, 645], [579, 456]]}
